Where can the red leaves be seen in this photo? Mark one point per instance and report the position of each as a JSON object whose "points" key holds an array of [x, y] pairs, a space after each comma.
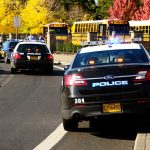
{"points": [[123, 9], [144, 11], [127, 10]]}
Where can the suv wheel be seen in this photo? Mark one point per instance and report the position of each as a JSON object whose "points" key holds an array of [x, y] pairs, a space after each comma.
{"points": [[70, 124], [13, 70]]}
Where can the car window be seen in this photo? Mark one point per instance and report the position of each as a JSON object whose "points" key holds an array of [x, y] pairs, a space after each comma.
{"points": [[13, 44], [32, 48], [9, 44], [110, 57]]}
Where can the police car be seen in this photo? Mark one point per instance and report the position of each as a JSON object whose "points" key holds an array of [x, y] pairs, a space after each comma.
{"points": [[31, 55], [105, 80]]}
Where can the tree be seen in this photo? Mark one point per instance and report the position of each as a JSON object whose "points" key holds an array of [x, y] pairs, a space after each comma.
{"points": [[102, 9], [144, 11], [34, 16], [8, 10], [123, 9]]}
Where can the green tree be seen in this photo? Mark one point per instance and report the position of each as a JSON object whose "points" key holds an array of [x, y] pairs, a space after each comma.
{"points": [[102, 9]]}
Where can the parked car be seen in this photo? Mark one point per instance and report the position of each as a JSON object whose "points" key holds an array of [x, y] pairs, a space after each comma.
{"points": [[31, 55], [105, 80], [7, 48]]}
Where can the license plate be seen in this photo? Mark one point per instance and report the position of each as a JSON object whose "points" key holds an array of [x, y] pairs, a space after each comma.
{"points": [[111, 108], [33, 57]]}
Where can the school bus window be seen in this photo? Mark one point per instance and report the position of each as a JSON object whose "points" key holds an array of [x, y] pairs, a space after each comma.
{"points": [[88, 27], [92, 27], [85, 27], [96, 27], [144, 29], [76, 26], [79, 28], [82, 28], [136, 28]]}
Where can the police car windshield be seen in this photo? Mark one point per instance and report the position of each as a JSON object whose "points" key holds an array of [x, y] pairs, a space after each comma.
{"points": [[110, 57], [32, 48]]}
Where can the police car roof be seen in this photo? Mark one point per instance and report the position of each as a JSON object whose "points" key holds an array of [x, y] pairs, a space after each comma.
{"points": [[109, 47], [32, 42]]}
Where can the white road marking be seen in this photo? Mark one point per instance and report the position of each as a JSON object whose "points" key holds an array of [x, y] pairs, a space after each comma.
{"points": [[59, 67], [52, 139], [7, 80]]}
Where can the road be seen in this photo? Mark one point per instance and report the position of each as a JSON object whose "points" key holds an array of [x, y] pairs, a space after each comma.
{"points": [[30, 112]]}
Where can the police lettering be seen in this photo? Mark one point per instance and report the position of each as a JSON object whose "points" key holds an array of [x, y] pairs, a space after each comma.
{"points": [[112, 83]]}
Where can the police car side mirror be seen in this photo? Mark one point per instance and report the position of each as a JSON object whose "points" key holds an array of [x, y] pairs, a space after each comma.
{"points": [[66, 67]]}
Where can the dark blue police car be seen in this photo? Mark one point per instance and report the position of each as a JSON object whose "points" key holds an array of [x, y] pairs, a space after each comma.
{"points": [[105, 80]]}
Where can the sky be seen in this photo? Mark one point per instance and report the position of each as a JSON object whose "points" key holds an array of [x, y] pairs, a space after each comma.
{"points": [[96, 1]]}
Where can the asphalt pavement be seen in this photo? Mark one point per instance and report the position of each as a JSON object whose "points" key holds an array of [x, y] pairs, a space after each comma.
{"points": [[142, 141]]}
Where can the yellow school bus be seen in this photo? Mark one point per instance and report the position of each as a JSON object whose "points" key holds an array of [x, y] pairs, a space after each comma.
{"points": [[101, 29], [141, 30], [80, 29], [61, 30]]}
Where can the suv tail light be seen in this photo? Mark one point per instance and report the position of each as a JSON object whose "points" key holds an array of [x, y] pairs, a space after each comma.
{"points": [[50, 57], [74, 80], [142, 75], [17, 56]]}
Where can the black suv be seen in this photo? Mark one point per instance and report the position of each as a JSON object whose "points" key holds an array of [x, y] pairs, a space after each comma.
{"points": [[106, 80], [31, 55]]}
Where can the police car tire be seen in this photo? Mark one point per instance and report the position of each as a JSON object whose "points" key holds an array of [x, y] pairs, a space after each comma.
{"points": [[13, 70], [50, 70], [70, 124]]}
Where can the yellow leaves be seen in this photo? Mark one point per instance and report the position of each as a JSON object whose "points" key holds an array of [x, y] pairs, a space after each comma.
{"points": [[33, 16], [8, 9]]}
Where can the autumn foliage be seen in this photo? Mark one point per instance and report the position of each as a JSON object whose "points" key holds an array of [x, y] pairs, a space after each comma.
{"points": [[35, 13], [129, 10], [123, 9], [143, 13]]}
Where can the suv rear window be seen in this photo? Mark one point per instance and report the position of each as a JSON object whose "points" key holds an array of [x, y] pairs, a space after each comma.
{"points": [[110, 57], [32, 48], [13, 44]]}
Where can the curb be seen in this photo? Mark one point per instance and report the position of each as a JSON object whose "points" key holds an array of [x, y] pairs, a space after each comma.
{"points": [[140, 142], [61, 63]]}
